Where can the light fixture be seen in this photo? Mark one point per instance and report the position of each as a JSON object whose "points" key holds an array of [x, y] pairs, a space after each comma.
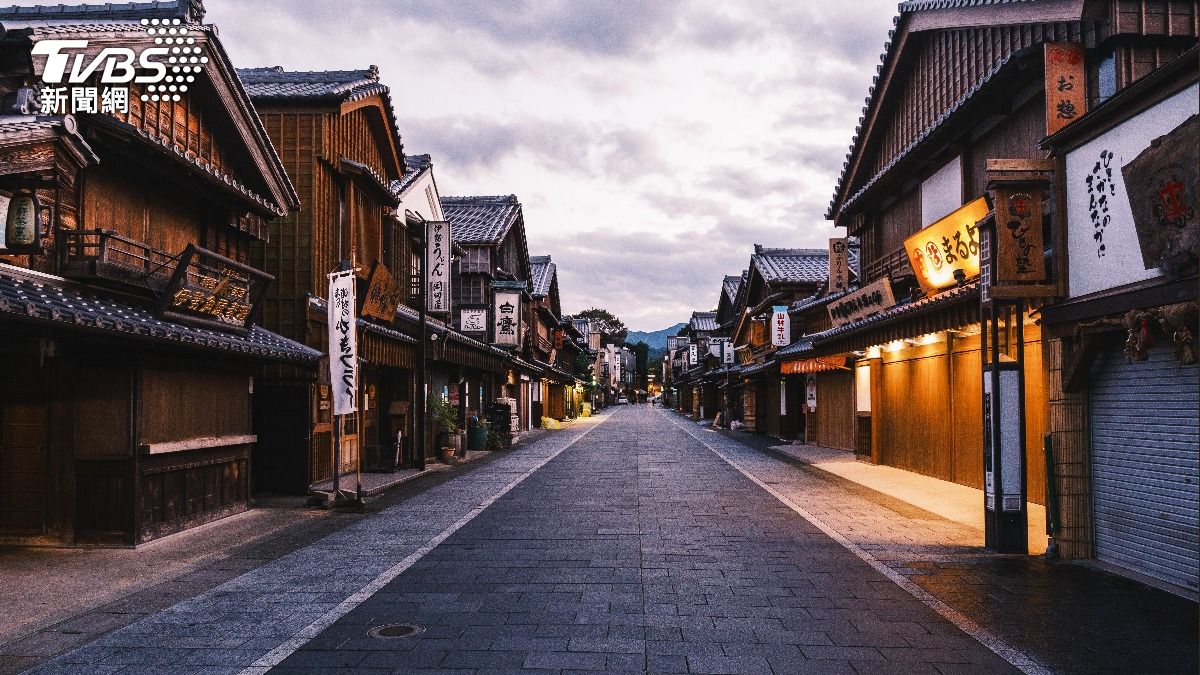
{"points": [[23, 227]]}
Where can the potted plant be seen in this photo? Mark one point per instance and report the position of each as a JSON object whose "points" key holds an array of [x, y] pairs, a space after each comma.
{"points": [[444, 416]]}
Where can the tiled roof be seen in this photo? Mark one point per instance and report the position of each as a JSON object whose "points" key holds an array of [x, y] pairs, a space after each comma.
{"points": [[918, 5], [819, 300], [109, 11], [29, 296], [274, 83], [480, 220], [791, 265], [414, 167], [731, 284], [798, 347], [542, 273], [703, 321]]}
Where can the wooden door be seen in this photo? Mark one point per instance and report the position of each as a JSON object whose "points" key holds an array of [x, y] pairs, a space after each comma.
{"points": [[24, 426]]}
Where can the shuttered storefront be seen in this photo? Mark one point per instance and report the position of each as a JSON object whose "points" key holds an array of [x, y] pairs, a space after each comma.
{"points": [[1145, 464]]}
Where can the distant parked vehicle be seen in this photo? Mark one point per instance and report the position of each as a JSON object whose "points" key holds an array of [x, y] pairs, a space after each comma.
{"points": [[621, 400]]}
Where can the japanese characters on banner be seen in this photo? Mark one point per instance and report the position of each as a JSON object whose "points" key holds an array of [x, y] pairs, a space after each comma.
{"points": [[693, 353], [437, 266], [839, 265], [507, 322], [343, 347], [727, 352], [383, 295], [781, 326], [1019, 235], [473, 320], [1066, 99], [951, 244]]}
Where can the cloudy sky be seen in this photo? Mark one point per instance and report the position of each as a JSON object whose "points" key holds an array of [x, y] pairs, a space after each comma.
{"points": [[651, 143]]}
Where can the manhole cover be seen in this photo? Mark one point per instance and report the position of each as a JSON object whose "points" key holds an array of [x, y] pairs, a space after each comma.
{"points": [[396, 630]]}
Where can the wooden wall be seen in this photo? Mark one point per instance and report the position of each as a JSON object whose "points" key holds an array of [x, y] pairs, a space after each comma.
{"points": [[179, 404], [832, 425]]}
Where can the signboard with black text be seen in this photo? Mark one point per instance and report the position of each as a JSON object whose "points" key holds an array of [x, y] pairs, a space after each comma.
{"points": [[210, 290]]}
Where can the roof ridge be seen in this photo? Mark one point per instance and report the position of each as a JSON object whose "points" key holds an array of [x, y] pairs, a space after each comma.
{"points": [[497, 199]]}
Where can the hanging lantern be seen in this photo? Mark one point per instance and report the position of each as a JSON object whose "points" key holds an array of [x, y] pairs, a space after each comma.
{"points": [[23, 228]]}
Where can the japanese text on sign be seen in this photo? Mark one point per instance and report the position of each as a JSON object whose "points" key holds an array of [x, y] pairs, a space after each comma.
{"points": [[507, 325], [1065, 95], [343, 347], [437, 269], [781, 327], [949, 245]]}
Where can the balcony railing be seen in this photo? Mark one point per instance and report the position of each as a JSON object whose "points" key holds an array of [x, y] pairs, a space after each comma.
{"points": [[108, 255]]}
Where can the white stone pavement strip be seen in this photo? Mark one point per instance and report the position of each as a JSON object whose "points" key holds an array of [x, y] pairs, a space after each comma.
{"points": [[259, 618], [767, 472]]}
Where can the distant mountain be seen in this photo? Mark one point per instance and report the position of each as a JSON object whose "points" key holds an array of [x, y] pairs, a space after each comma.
{"points": [[657, 340]]}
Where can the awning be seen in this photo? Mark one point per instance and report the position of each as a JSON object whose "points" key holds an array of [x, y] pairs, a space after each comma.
{"points": [[36, 298], [948, 310], [816, 365]]}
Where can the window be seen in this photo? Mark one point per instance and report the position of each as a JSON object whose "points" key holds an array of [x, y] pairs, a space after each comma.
{"points": [[942, 192], [1107, 83]]}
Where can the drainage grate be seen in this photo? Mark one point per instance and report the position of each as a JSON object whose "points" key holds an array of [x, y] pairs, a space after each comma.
{"points": [[396, 630]]}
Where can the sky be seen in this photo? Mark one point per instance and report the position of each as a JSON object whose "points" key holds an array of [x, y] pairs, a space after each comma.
{"points": [[651, 144]]}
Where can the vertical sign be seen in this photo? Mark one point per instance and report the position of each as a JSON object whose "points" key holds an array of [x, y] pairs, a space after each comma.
{"points": [[810, 393], [781, 327], [383, 295], [507, 325], [782, 397], [437, 266], [343, 347], [1066, 100], [839, 266], [693, 353], [727, 352], [1018, 234]]}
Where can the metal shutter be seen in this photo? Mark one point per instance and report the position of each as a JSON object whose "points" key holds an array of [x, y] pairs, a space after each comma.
{"points": [[1145, 463]]}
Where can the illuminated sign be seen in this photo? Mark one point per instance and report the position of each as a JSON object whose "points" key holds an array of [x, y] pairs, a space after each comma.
{"points": [[951, 244]]}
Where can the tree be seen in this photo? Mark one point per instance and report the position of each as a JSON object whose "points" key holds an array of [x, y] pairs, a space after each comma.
{"points": [[610, 324]]}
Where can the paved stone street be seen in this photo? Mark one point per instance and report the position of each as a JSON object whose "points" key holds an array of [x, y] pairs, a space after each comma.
{"points": [[640, 541]]}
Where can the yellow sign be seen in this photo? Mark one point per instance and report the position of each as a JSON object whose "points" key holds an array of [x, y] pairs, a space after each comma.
{"points": [[951, 244]]}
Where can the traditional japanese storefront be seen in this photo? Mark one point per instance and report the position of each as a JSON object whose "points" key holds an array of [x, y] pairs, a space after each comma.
{"points": [[820, 392], [1126, 384]]}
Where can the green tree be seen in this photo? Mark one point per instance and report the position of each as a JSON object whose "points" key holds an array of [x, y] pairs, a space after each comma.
{"points": [[610, 324]]}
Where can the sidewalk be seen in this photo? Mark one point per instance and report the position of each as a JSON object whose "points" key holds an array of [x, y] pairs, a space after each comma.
{"points": [[1069, 617]]}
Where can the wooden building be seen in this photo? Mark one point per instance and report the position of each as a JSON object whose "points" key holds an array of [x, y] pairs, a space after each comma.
{"points": [[776, 277], [548, 346], [491, 291], [336, 134], [965, 92], [1124, 379], [128, 317]]}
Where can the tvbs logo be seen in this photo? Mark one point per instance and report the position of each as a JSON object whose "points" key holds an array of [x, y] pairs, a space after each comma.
{"points": [[166, 69]]}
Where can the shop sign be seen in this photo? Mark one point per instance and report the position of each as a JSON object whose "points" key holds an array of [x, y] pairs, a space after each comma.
{"points": [[864, 302], [1103, 237], [437, 266], [507, 324], [1065, 96], [1018, 235], [727, 352], [782, 397], [211, 290], [781, 327], [473, 320], [810, 393], [383, 295], [693, 353], [839, 266], [343, 347], [1163, 182], [804, 366], [948, 247]]}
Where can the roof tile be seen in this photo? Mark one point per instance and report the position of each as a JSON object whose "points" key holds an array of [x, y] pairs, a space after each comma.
{"points": [[481, 220]]}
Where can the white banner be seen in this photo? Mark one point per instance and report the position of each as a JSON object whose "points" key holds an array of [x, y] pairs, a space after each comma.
{"points": [[781, 327], [507, 318], [437, 266], [727, 352], [343, 347], [473, 320], [693, 353], [810, 390]]}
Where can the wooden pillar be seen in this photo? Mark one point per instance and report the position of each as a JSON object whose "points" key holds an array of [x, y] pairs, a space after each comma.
{"points": [[1072, 470]]}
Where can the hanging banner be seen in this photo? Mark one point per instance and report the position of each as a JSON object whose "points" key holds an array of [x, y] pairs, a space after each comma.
{"points": [[782, 397], [839, 266], [693, 353], [810, 392], [343, 347], [507, 325], [781, 327], [1065, 96], [727, 352], [437, 267], [383, 295]]}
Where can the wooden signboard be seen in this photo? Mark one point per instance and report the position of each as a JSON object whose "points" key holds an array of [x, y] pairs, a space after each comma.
{"points": [[864, 302], [1163, 185], [948, 249], [839, 266], [1018, 234], [213, 291], [1066, 97], [817, 365], [383, 295]]}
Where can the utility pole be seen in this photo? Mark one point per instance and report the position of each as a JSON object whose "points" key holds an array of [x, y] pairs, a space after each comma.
{"points": [[420, 402]]}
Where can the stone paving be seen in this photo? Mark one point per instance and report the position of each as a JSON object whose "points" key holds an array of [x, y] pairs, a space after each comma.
{"points": [[642, 542], [639, 550]]}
